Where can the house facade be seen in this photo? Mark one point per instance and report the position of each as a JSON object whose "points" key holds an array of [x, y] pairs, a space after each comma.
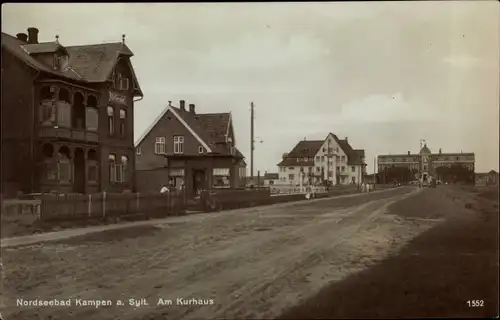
{"points": [[67, 116], [331, 161], [447, 167], [184, 147]]}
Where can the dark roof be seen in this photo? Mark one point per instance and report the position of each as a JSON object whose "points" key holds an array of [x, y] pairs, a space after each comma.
{"points": [[425, 149], [43, 47], [492, 172], [87, 63], [271, 176], [214, 124], [306, 148], [292, 162], [353, 157], [360, 152]]}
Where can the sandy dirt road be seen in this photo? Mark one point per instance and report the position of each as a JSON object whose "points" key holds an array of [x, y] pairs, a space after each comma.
{"points": [[249, 263]]}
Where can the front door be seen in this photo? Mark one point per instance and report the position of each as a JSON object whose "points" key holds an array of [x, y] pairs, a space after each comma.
{"points": [[199, 180]]}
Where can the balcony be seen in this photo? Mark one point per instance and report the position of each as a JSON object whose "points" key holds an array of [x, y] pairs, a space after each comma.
{"points": [[68, 133]]}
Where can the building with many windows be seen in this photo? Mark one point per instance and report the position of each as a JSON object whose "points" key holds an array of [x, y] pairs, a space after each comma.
{"points": [[446, 167], [184, 147], [67, 116], [330, 161]]}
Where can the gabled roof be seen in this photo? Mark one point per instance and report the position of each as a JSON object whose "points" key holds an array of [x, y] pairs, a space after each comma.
{"points": [[209, 129], [87, 63], [306, 149]]}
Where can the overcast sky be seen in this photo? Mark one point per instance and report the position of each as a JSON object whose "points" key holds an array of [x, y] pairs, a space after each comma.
{"points": [[383, 74]]}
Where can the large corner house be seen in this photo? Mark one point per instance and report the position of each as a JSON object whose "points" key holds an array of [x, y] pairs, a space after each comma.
{"points": [[189, 148], [67, 116], [331, 161]]}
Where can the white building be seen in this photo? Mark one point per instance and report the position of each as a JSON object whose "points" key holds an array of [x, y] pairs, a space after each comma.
{"points": [[329, 161]]}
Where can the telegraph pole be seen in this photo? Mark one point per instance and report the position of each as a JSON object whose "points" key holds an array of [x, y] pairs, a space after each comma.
{"points": [[252, 141]]}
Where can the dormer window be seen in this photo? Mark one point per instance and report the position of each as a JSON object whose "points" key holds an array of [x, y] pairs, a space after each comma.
{"points": [[63, 62], [124, 84]]}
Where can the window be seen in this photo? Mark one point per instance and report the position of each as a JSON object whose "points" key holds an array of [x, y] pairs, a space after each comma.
{"points": [[200, 149], [160, 145], [330, 174], [63, 114], [342, 169], [330, 150], [353, 180], [64, 170], [50, 170], [324, 149], [306, 159], [291, 176], [92, 119], [342, 159], [47, 113], [322, 158], [233, 150], [318, 169], [353, 169], [221, 178], [111, 120], [123, 119], [121, 170], [124, 84], [318, 158], [291, 168], [112, 167], [178, 144], [138, 151]]}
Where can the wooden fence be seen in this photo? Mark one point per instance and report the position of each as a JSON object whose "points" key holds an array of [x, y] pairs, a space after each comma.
{"points": [[108, 205]]}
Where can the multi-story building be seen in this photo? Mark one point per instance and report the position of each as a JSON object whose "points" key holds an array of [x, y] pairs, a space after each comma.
{"points": [[67, 116], [447, 167], [330, 161], [184, 147]]}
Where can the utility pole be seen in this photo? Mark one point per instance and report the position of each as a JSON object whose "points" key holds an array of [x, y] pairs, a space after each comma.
{"points": [[252, 141]]}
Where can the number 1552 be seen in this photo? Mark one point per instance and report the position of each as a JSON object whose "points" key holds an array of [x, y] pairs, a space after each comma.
{"points": [[475, 303]]}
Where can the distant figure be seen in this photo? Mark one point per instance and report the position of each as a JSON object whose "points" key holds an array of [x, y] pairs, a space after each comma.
{"points": [[363, 187], [164, 189]]}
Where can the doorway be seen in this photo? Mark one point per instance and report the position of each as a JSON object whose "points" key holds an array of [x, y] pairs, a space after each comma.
{"points": [[199, 180], [79, 171]]}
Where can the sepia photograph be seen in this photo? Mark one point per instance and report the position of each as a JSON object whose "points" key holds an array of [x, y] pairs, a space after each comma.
{"points": [[250, 160]]}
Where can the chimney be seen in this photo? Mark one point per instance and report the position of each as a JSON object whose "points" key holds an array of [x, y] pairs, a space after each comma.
{"points": [[439, 150], [32, 35], [182, 104], [191, 108], [22, 36], [346, 139], [408, 152]]}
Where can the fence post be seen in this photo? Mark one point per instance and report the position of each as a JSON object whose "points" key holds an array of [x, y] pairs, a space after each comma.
{"points": [[104, 204], [89, 206]]}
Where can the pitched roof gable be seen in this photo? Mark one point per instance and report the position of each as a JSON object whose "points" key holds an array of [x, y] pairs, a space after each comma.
{"points": [[208, 128]]}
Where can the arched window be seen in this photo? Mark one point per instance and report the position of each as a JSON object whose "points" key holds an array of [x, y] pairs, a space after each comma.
{"points": [[47, 109], [122, 174], [50, 164], [93, 166], [111, 120], [64, 165], [64, 108], [92, 115]]}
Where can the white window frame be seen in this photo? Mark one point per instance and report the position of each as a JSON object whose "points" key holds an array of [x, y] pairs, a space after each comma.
{"points": [[233, 150], [160, 145], [178, 144], [200, 149], [138, 151]]}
